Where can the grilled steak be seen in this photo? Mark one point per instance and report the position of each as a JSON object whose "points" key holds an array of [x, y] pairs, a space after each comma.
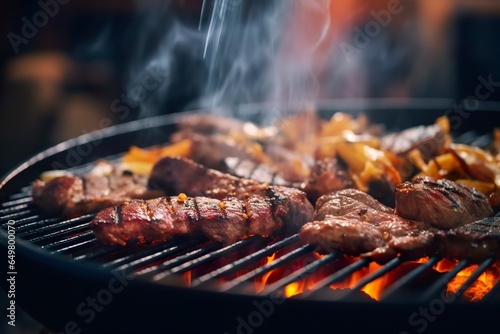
{"points": [[74, 196], [429, 140], [211, 150], [441, 203], [259, 172], [475, 241], [226, 220], [356, 223], [175, 175], [327, 175]]}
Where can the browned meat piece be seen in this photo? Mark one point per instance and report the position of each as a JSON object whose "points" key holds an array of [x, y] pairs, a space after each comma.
{"points": [[211, 150], [475, 241], [160, 219], [357, 224], [441, 203], [175, 175], [259, 172], [74, 196], [430, 140], [326, 176]]}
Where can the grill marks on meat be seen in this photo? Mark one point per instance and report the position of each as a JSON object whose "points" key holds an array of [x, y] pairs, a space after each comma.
{"points": [[175, 175], [357, 224], [73, 196], [441, 203], [475, 241], [160, 219], [429, 140], [354, 222], [256, 171]]}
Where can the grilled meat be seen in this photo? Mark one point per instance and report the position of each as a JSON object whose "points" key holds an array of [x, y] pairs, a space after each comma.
{"points": [[327, 175], [475, 241], [73, 196], [441, 203], [259, 172], [356, 223], [429, 140], [175, 175], [226, 220], [211, 151]]}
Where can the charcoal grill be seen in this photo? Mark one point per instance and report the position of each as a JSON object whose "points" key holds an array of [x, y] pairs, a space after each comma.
{"points": [[193, 286]]}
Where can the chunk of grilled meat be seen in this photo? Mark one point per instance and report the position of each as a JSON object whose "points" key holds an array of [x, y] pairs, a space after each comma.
{"points": [[259, 172], [211, 150], [176, 174], [327, 175], [356, 223], [226, 220], [441, 203], [73, 196], [429, 140], [475, 241]]}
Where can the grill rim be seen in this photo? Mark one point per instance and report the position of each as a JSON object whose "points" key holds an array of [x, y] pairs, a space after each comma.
{"points": [[91, 271]]}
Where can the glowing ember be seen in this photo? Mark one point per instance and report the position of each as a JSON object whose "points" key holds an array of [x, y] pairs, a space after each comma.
{"points": [[480, 287], [187, 277]]}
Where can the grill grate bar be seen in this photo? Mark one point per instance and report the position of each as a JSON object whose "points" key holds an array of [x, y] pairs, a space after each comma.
{"points": [[299, 274], [17, 202], [177, 261], [441, 283], [494, 294], [474, 276], [337, 276], [69, 240], [64, 232], [207, 257], [25, 222], [23, 193], [372, 277], [102, 251], [57, 226], [16, 215], [241, 263], [296, 253], [11, 209], [76, 246], [149, 255], [391, 291]]}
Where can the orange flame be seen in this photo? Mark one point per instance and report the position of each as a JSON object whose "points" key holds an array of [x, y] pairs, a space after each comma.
{"points": [[375, 288], [260, 283]]}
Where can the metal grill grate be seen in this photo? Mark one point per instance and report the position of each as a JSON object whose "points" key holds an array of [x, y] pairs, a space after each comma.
{"points": [[233, 268]]}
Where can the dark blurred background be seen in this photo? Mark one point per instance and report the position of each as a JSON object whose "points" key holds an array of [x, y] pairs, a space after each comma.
{"points": [[65, 66], [76, 63]]}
